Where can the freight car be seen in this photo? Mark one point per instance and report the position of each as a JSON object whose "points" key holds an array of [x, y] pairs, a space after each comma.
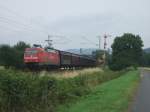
{"points": [[49, 58]]}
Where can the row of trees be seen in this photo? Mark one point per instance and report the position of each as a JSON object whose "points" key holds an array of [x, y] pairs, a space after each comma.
{"points": [[12, 56]]}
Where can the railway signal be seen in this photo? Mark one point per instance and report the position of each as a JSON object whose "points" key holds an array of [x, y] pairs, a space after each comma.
{"points": [[105, 46]]}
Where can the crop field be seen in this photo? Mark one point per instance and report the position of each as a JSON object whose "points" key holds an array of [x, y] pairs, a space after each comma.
{"points": [[70, 73]]}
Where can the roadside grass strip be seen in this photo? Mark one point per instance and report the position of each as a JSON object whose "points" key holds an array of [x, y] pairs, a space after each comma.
{"points": [[112, 96]]}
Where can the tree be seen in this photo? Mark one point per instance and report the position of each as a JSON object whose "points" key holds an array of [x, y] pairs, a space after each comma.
{"points": [[19, 50], [7, 54], [21, 46], [126, 51]]}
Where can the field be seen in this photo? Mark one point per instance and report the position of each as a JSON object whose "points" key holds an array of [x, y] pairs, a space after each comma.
{"points": [[112, 96], [70, 73], [52, 92]]}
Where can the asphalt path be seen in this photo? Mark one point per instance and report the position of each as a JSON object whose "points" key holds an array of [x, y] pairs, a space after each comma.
{"points": [[142, 99]]}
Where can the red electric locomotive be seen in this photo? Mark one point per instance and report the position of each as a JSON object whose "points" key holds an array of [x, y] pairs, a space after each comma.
{"points": [[40, 57]]}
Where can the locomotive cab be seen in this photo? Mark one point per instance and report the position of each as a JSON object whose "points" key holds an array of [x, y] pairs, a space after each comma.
{"points": [[39, 57], [31, 55]]}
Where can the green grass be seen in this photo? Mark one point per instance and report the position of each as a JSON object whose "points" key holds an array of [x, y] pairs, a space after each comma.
{"points": [[112, 96], [1, 67]]}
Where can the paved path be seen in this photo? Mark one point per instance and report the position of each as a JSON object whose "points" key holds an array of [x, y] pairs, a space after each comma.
{"points": [[142, 100]]}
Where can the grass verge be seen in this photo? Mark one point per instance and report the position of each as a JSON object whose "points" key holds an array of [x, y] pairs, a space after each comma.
{"points": [[112, 96]]}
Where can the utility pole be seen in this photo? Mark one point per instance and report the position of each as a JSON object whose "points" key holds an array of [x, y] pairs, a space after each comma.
{"points": [[99, 42], [81, 51], [49, 41]]}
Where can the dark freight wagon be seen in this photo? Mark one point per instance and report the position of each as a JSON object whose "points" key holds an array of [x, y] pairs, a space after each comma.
{"points": [[75, 60], [65, 58]]}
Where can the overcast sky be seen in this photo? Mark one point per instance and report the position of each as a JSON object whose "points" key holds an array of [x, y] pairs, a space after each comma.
{"points": [[73, 23]]}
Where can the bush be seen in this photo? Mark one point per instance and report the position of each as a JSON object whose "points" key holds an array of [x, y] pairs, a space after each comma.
{"points": [[20, 92]]}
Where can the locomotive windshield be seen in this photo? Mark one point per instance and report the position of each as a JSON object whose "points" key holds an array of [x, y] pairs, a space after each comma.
{"points": [[31, 52]]}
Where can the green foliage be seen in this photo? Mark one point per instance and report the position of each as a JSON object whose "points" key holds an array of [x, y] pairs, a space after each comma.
{"points": [[127, 51], [12, 56], [28, 92], [7, 54], [19, 50], [19, 92]]}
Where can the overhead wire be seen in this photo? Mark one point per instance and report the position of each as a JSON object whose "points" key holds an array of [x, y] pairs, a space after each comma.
{"points": [[20, 26], [30, 27], [89, 41], [25, 27], [22, 17]]}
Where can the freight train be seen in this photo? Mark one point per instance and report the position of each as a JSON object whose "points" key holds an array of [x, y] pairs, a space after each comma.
{"points": [[49, 58]]}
